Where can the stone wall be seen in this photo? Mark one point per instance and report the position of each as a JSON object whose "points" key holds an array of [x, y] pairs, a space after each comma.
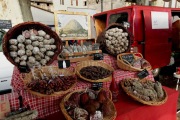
{"points": [[15, 10]]}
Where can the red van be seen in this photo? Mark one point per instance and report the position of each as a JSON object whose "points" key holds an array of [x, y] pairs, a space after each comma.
{"points": [[150, 26]]}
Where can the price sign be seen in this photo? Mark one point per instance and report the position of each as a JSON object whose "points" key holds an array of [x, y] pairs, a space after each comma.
{"points": [[24, 69], [128, 57], [4, 108], [97, 86], [144, 73], [98, 56], [5, 24], [63, 63]]}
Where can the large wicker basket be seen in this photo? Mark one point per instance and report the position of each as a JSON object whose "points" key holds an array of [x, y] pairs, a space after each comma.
{"points": [[153, 103], [125, 65], [101, 38], [66, 98], [16, 30], [28, 77], [93, 63]]}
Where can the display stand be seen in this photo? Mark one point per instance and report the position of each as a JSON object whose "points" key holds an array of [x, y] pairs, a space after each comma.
{"points": [[177, 85], [178, 77]]}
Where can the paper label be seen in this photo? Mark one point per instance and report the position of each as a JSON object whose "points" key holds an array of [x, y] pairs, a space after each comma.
{"points": [[4, 108], [159, 20]]}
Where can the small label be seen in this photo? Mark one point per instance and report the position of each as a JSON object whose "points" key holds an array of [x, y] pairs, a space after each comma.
{"points": [[144, 73], [5, 24], [23, 69], [97, 51], [63, 63], [4, 108], [84, 52], [98, 56], [71, 54], [97, 86]]}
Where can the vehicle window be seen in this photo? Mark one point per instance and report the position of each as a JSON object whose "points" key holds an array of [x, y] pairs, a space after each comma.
{"points": [[1, 37], [119, 18]]}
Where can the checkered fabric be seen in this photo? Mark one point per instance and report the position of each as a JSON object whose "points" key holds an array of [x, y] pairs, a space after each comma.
{"points": [[49, 105], [17, 82], [121, 74], [13, 100]]}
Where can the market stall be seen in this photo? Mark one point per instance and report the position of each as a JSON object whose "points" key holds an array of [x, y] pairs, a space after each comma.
{"points": [[85, 89], [126, 108]]}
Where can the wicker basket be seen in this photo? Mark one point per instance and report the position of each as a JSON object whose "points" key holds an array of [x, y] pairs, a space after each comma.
{"points": [[28, 77], [101, 38], [66, 98], [125, 65], [94, 63], [16, 30], [153, 103]]}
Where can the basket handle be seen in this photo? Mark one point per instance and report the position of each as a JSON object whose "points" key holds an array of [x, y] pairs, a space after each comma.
{"points": [[73, 69], [149, 67]]}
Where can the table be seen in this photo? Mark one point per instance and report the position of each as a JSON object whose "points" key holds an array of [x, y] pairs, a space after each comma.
{"points": [[50, 105], [128, 109]]}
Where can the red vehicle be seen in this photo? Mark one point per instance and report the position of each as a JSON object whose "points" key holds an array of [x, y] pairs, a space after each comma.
{"points": [[150, 26]]}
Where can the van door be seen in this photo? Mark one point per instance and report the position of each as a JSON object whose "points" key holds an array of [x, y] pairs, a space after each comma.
{"points": [[157, 49]]}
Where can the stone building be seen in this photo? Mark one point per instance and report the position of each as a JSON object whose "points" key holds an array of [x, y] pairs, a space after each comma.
{"points": [[44, 4], [64, 4]]}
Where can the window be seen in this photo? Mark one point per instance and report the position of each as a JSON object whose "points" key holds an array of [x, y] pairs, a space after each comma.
{"points": [[61, 2], [76, 2], [38, 3], [47, 4], [118, 18], [85, 3]]}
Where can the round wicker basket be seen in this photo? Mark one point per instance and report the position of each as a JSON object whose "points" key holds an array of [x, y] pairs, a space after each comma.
{"points": [[66, 98], [28, 77], [101, 38], [153, 103], [127, 66], [93, 63], [17, 30]]}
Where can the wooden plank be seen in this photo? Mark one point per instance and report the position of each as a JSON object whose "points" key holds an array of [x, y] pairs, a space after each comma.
{"points": [[78, 59], [100, 26], [82, 53]]}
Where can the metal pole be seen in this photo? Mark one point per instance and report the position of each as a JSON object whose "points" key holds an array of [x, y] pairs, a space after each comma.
{"points": [[101, 5]]}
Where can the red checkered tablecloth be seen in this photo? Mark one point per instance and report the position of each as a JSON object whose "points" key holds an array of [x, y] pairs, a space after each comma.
{"points": [[17, 82], [13, 100], [120, 74], [49, 105]]}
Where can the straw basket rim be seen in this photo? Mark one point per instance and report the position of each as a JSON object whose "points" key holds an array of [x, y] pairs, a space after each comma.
{"points": [[81, 90], [126, 66], [152, 103], [17, 29], [26, 80], [95, 63]]}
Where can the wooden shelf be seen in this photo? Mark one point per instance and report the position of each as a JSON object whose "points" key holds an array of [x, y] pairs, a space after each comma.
{"points": [[81, 53], [78, 59]]}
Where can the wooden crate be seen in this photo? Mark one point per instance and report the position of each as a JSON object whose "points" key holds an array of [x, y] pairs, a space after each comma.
{"points": [[88, 55]]}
